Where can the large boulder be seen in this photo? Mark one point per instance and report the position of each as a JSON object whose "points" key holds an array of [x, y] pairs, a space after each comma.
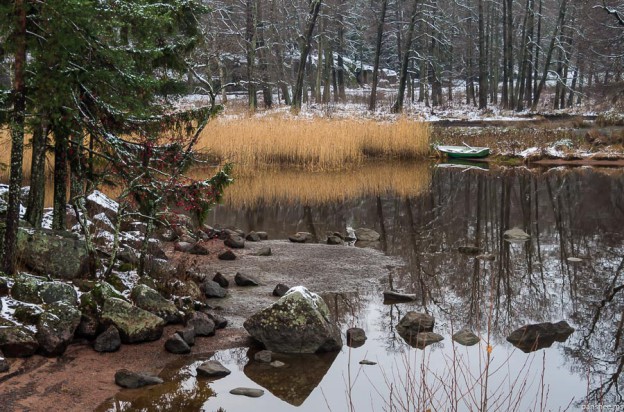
{"points": [[26, 288], [148, 299], [91, 304], [51, 292], [56, 327], [36, 289], [17, 342], [58, 254], [134, 324], [530, 338], [98, 203], [297, 323]]}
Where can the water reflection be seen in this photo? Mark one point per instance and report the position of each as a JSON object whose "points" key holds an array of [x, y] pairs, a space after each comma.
{"points": [[293, 382], [566, 213]]}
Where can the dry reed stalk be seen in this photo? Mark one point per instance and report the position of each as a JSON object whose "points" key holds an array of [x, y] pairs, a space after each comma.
{"points": [[292, 186], [318, 144]]}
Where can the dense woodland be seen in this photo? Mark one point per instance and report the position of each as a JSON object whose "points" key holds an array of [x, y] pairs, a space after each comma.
{"points": [[500, 52], [76, 76]]}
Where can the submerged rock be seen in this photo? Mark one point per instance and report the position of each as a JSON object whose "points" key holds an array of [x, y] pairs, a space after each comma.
{"points": [[56, 327], [367, 362], [134, 324], [530, 338], [422, 339], [212, 369], [263, 356], [133, 380], [466, 337], [297, 323], [108, 341], [249, 392], [148, 299]]}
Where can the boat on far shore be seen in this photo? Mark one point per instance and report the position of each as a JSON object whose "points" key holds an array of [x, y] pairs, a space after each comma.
{"points": [[464, 151]]}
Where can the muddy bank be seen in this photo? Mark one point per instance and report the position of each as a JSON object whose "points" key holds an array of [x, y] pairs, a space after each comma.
{"points": [[82, 379]]}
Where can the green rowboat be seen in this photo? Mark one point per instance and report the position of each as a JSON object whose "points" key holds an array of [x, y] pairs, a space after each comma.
{"points": [[464, 151]]}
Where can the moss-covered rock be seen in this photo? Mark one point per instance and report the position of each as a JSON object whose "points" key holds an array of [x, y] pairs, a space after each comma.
{"points": [[27, 314], [148, 299], [56, 327], [53, 253], [297, 323], [26, 288], [17, 342], [51, 292], [134, 324]]}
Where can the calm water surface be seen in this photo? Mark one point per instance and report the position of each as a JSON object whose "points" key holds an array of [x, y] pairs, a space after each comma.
{"points": [[570, 269]]}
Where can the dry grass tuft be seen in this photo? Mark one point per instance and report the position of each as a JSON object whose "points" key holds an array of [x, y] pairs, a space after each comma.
{"points": [[292, 186], [319, 144]]}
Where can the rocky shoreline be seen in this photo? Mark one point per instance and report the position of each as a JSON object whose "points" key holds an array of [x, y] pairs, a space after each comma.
{"points": [[65, 335]]}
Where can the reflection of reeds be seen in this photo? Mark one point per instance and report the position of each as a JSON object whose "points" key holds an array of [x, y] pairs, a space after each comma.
{"points": [[319, 144], [291, 186]]}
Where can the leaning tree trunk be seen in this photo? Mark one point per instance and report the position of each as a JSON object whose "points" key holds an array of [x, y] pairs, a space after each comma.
{"points": [[398, 104], [315, 7], [17, 139], [372, 103]]}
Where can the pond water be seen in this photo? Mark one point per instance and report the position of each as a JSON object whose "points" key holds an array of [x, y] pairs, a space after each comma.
{"points": [[569, 269]]}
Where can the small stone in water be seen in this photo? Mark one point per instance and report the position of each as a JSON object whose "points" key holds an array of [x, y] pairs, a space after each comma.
{"points": [[252, 393], [277, 364], [367, 362]]}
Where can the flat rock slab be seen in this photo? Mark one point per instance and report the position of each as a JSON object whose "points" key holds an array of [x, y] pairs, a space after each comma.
{"points": [[321, 268], [132, 380], [250, 392], [212, 369]]}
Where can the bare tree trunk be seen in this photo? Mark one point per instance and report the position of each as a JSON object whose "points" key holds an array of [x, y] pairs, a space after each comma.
{"points": [[556, 31], [380, 27], [17, 139], [483, 72], [34, 208], [59, 208], [250, 42], [315, 6], [398, 105]]}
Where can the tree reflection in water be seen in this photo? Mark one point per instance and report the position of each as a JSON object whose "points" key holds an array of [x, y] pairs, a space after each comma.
{"points": [[570, 268]]}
